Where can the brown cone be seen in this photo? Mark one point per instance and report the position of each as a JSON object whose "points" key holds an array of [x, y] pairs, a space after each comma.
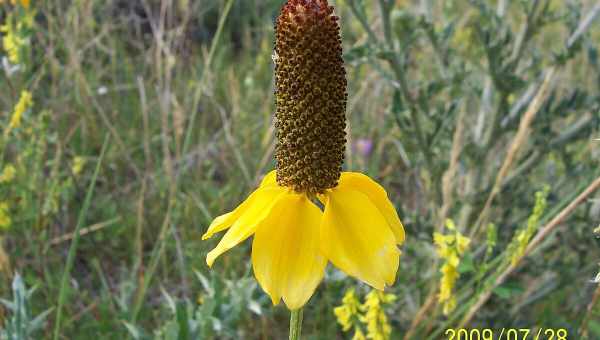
{"points": [[310, 96]]}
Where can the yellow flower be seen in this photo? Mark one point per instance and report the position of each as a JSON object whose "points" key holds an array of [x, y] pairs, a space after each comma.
{"points": [[5, 220], [22, 105], [358, 335], [462, 243], [370, 313], [449, 305], [11, 43], [378, 326], [347, 313], [78, 164], [450, 274], [358, 230], [449, 247], [8, 174], [521, 239], [293, 240]]}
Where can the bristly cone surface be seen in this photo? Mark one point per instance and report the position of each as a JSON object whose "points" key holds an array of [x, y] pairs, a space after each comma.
{"points": [[310, 97]]}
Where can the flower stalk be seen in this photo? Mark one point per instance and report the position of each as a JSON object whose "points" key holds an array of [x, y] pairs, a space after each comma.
{"points": [[296, 316]]}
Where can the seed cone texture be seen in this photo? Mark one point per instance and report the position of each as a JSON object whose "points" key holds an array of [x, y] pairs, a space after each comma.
{"points": [[310, 97]]}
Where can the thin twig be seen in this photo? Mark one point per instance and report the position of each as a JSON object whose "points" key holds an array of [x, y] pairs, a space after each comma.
{"points": [[84, 231], [430, 302]]}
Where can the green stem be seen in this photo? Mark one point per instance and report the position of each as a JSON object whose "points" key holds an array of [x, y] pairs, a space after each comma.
{"points": [[295, 324], [62, 296]]}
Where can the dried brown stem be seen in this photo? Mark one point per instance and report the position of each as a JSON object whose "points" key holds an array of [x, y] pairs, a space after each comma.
{"points": [[518, 141]]}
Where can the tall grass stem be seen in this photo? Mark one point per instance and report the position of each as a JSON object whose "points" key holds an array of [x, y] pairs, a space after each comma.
{"points": [[62, 296]]}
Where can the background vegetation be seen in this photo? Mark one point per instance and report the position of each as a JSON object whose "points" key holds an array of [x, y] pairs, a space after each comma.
{"points": [[149, 118]]}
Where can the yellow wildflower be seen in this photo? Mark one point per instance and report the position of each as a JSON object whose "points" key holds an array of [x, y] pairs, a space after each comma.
{"points": [[78, 164], [449, 305], [11, 42], [359, 230], [22, 105], [378, 326], [8, 174], [449, 276], [462, 243], [5, 220], [522, 237], [347, 313], [370, 313], [449, 247], [358, 335]]}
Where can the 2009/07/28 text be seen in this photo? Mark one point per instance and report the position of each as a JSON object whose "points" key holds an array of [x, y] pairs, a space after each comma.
{"points": [[506, 334]]}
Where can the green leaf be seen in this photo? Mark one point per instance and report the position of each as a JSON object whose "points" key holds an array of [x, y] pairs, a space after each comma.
{"points": [[594, 328], [502, 292], [466, 264], [182, 320]]}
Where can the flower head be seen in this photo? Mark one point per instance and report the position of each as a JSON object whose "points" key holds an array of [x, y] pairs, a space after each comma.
{"points": [[23, 104], [78, 164], [358, 230], [8, 174], [310, 97], [5, 220], [449, 247], [378, 326], [11, 44]]}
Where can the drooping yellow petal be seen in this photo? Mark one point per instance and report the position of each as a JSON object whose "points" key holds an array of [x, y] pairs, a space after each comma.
{"points": [[225, 221], [243, 220], [269, 179], [356, 238], [377, 195], [285, 252]]}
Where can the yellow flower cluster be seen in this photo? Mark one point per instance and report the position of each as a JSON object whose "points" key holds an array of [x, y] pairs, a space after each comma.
{"points": [[11, 43], [378, 326], [23, 104], [5, 220], [521, 239], [7, 174], [449, 247], [347, 312], [15, 32], [371, 313]]}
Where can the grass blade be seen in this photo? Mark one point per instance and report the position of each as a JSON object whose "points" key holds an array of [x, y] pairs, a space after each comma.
{"points": [[73, 249]]}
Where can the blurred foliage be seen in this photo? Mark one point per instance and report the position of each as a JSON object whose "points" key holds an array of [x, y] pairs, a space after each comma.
{"points": [[22, 324], [437, 93]]}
